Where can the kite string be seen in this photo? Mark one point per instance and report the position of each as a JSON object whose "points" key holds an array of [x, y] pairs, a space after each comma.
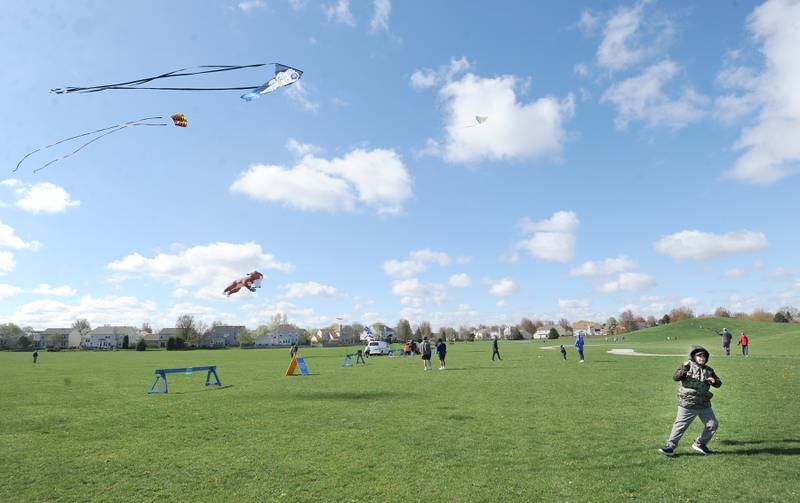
{"points": [[135, 84], [114, 129]]}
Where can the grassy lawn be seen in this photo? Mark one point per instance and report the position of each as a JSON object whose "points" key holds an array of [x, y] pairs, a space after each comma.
{"points": [[79, 426]]}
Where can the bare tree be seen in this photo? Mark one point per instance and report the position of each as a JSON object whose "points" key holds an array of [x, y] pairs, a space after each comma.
{"points": [[721, 312], [82, 326], [681, 313]]}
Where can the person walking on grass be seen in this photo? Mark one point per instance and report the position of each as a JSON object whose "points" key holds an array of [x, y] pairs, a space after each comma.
{"points": [[726, 341], [694, 399], [563, 352], [579, 346], [495, 349], [426, 353], [744, 341], [441, 350], [35, 356], [293, 350]]}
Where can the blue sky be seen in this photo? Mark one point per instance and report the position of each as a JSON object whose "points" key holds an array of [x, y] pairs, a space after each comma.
{"points": [[636, 155]]}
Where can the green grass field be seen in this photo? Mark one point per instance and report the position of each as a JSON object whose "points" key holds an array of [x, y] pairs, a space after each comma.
{"points": [[79, 426]]}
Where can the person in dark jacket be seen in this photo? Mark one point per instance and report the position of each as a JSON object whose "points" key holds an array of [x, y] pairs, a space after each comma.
{"points": [[441, 350], [495, 349], [563, 352], [35, 356], [694, 399], [426, 353], [726, 341]]}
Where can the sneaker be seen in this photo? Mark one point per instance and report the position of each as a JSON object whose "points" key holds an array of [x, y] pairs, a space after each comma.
{"points": [[667, 451], [581, 361], [701, 448]]}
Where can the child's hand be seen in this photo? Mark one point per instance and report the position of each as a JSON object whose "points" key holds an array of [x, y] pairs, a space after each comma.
{"points": [[711, 380]]}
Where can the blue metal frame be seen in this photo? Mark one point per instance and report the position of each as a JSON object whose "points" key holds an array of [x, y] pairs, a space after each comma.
{"points": [[162, 374]]}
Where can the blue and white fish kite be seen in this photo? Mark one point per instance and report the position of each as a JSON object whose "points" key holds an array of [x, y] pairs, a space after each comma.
{"points": [[283, 76]]}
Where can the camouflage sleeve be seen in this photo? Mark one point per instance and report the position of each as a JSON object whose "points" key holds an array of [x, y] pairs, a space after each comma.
{"points": [[680, 373]]}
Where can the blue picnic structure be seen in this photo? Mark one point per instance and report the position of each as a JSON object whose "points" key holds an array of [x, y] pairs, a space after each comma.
{"points": [[161, 374]]}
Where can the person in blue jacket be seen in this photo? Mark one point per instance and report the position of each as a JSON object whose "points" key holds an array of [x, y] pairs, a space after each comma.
{"points": [[579, 346]]}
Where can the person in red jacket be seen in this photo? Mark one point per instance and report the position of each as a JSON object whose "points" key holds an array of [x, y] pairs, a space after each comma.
{"points": [[744, 341]]}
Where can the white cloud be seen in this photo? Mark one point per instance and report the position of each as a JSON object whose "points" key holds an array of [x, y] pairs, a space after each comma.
{"points": [[628, 282], [7, 290], [697, 245], [413, 292], [769, 152], [43, 197], [459, 280], [7, 262], [606, 267], [553, 239], [302, 149], [578, 309], [56, 291], [111, 310], [735, 273], [688, 302], [340, 13], [620, 47], [503, 287], [642, 98], [298, 5], [380, 18], [376, 178], [206, 269], [297, 93], [500, 303], [427, 78], [514, 130], [9, 239], [309, 289], [588, 22], [418, 262], [249, 6], [580, 69]]}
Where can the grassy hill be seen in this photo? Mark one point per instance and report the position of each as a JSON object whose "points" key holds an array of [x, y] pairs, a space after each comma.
{"points": [[78, 426]]}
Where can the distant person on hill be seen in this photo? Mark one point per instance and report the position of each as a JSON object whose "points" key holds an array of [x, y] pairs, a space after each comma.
{"points": [[35, 356], [426, 353], [441, 350], [563, 352], [726, 341], [744, 341], [495, 348], [694, 399], [579, 346]]}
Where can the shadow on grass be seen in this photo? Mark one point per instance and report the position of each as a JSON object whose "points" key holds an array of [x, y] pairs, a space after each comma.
{"points": [[748, 442], [459, 417], [203, 390], [490, 367], [347, 395], [777, 451]]}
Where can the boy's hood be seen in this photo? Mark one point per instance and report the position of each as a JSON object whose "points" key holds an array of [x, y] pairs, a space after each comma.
{"points": [[699, 349]]}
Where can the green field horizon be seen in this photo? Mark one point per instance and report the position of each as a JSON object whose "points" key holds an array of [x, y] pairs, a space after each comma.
{"points": [[79, 425]]}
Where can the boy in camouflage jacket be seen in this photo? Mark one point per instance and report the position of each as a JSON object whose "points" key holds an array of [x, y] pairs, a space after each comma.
{"points": [[694, 399]]}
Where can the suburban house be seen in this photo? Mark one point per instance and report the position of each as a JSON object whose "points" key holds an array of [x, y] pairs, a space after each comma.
{"points": [[586, 328], [481, 334], [38, 340], [108, 337], [61, 338], [229, 334], [542, 332], [508, 332], [282, 335], [157, 340], [324, 336]]}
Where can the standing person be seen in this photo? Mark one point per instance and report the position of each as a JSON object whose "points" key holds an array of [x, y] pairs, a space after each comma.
{"points": [[694, 399], [563, 352], [293, 350], [441, 350], [744, 341], [579, 346], [495, 349], [726, 341], [360, 357], [426, 353], [35, 356]]}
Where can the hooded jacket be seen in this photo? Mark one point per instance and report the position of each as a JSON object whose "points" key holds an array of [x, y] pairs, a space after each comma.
{"points": [[693, 390]]}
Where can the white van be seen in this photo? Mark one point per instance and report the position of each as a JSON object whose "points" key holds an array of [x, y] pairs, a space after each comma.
{"points": [[377, 348]]}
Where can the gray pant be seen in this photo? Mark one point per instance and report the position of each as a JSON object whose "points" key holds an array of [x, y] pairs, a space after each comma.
{"points": [[685, 418]]}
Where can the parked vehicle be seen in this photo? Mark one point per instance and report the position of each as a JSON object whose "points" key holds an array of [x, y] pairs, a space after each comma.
{"points": [[377, 348]]}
